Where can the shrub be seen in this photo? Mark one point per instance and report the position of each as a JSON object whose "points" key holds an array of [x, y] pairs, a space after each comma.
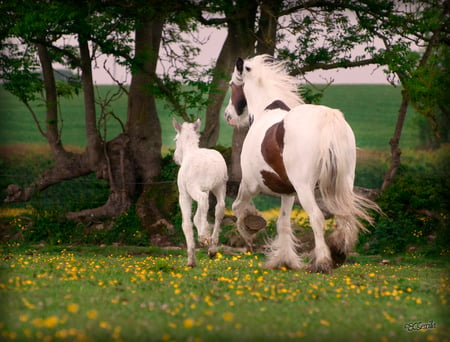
{"points": [[416, 209]]}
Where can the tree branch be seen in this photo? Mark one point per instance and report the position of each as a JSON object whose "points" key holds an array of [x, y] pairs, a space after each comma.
{"points": [[34, 116], [328, 66]]}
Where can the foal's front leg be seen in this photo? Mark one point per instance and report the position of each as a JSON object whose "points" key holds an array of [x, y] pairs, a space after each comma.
{"points": [[186, 211]]}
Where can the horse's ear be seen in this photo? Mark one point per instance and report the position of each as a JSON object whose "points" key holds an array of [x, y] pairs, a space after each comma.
{"points": [[240, 65], [176, 125], [197, 125]]}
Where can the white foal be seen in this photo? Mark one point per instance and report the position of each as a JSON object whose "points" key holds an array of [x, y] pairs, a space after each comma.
{"points": [[201, 171]]}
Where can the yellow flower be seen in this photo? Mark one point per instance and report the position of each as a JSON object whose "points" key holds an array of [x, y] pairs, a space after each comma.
{"points": [[188, 323], [228, 316], [324, 323], [92, 314], [38, 322], [104, 325], [73, 308], [51, 322]]}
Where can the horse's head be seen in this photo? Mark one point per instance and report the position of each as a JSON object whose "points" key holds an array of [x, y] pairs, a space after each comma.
{"points": [[236, 112], [255, 84], [187, 138]]}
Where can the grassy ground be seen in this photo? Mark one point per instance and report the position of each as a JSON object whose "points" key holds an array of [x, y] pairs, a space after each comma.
{"points": [[135, 294], [371, 110]]}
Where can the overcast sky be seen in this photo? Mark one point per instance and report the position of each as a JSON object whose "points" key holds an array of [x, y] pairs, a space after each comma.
{"points": [[362, 75]]}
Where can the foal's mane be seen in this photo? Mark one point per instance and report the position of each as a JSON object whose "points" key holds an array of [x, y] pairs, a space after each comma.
{"points": [[273, 76]]}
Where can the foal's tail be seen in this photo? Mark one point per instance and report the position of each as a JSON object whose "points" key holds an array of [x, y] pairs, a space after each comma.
{"points": [[336, 176]]}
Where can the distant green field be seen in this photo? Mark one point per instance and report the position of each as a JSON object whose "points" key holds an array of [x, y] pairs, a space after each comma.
{"points": [[371, 110]]}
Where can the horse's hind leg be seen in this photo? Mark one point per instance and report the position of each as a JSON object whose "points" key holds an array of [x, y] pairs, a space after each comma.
{"points": [[219, 212], [201, 217], [321, 259], [186, 210], [282, 250], [343, 239]]}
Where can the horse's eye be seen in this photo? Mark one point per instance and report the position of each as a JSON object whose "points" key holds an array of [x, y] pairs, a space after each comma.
{"points": [[248, 68]]}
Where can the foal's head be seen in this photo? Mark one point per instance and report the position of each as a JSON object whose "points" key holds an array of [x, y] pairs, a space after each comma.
{"points": [[187, 138]]}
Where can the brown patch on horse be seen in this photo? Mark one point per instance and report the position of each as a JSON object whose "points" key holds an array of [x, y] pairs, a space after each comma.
{"points": [[238, 98], [272, 151], [278, 104]]}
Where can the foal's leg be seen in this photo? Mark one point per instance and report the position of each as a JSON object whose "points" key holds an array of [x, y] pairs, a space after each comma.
{"points": [[219, 212], [242, 208], [201, 217], [321, 258], [282, 250], [186, 210]]}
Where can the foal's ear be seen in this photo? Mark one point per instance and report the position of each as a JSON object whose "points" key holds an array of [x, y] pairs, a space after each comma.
{"points": [[240, 65], [197, 125], [176, 125]]}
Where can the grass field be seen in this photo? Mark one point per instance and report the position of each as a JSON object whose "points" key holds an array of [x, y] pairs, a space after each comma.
{"points": [[371, 110], [137, 294]]}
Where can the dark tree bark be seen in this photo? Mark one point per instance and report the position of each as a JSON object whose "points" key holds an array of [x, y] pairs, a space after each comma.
{"points": [[268, 26], [395, 141], [143, 125], [240, 41]]}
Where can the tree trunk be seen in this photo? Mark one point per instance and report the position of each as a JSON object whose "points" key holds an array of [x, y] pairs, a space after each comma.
{"points": [[222, 70], [144, 129], [395, 142], [143, 125], [238, 43], [268, 25], [51, 101], [93, 152]]}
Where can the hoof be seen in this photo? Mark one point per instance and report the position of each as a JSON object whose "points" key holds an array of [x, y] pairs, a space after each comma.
{"points": [[212, 252], [337, 254], [254, 223], [338, 257], [324, 267]]}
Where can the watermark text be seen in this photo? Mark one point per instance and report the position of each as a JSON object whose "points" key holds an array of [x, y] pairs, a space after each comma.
{"points": [[417, 326]]}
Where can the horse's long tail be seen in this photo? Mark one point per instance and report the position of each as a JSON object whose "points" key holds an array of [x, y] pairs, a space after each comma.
{"points": [[336, 177]]}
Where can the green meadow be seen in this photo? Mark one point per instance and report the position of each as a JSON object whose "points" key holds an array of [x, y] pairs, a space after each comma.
{"points": [[145, 294], [371, 110]]}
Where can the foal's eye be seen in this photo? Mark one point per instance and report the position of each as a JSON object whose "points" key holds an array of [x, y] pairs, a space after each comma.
{"points": [[248, 68]]}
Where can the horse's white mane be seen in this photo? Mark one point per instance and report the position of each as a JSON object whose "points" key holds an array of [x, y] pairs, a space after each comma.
{"points": [[272, 75]]}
